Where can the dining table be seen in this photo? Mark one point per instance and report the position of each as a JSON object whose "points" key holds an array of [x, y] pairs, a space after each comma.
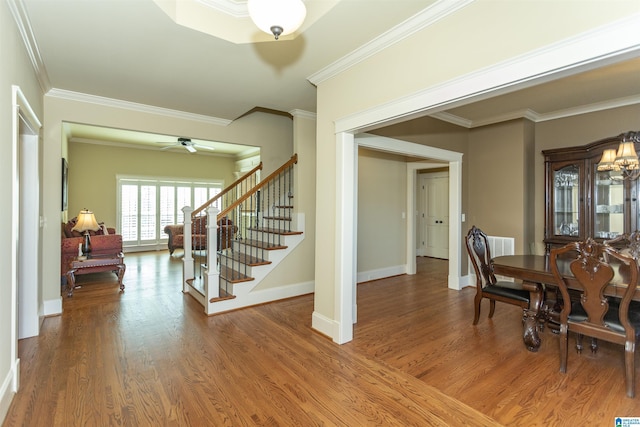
{"points": [[535, 270]]}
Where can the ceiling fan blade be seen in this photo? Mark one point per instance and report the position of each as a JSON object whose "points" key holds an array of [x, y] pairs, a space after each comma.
{"points": [[168, 147], [204, 147], [190, 148]]}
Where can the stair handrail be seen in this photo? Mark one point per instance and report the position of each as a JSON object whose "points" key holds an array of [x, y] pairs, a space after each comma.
{"points": [[293, 160], [226, 190]]}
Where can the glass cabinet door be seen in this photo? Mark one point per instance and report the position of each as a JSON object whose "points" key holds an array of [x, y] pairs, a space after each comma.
{"points": [[609, 206], [566, 201]]}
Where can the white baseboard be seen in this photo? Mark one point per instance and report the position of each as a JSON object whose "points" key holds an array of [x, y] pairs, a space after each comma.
{"points": [[324, 325], [52, 307], [381, 273], [9, 389], [247, 299], [468, 280]]}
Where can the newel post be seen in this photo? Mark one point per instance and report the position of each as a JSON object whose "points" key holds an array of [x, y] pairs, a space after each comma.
{"points": [[211, 274], [187, 259]]}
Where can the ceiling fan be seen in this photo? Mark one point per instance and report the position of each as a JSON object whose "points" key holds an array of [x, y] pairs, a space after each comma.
{"points": [[188, 144]]}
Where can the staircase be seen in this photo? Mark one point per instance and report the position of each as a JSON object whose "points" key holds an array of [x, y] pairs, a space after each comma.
{"points": [[268, 229], [263, 246]]}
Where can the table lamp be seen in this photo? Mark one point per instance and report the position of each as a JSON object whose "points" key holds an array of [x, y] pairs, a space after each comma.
{"points": [[86, 222]]}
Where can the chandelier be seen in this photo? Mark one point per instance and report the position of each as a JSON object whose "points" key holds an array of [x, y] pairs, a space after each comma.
{"points": [[624, 160], [277, 17]]}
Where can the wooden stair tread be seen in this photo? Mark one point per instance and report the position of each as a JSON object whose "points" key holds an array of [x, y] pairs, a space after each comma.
{"points": [[245, 259], [262, 245], [224, 295], [279, 218], [275, 231], [233, 276]]}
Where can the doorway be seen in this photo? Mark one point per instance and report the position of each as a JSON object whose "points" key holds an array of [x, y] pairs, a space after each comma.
{"points": [[26, 217], [433, 214], [346, 214]]}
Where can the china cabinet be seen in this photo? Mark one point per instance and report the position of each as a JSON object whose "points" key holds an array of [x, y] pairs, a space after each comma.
{"points": [[581, 201]]}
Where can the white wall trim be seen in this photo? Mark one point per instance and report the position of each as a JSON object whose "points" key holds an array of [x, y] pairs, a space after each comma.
{"points": [[381, 273], [133, 106], [609, 44], [52, 307], [24, 123], [324, 325], [9, 388]]}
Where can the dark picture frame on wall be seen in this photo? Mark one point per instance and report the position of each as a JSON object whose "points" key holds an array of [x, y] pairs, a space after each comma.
{"points": [[65, 184]]}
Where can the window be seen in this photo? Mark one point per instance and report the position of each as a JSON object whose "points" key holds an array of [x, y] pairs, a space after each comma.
{"points": [[147, 205]]}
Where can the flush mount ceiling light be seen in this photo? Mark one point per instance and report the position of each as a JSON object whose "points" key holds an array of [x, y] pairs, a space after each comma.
{"points": [[230, 20], [277, 17]]}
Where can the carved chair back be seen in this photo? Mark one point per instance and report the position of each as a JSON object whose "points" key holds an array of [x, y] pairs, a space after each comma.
{"points": [[480, 254], [593, 271], [596, 315], [629, 244]]}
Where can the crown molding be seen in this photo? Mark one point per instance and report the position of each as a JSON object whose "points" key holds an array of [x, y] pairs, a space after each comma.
{"points": [[303, 114], [538, 117], [141, 108], [453, 119], [591, 108], [418, 22], [174, 149], [24, 27]]}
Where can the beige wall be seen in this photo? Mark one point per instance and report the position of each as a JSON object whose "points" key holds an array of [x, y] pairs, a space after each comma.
{"points": [[298, 267], [497, 179], [382, 198], [423, 61], [272, 133], [93, 169], [16, 69]]}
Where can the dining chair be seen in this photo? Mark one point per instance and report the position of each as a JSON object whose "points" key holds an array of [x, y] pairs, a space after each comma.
{"points": [[487, 286], [596, 315], [627, 244]]}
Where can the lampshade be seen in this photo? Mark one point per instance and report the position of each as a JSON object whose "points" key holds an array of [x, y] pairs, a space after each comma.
{"points": [[86, 221], [607, 162], [624, 161], [626, 156], [277, 17]]}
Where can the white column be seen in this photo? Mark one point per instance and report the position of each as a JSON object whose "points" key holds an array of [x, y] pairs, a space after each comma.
{"points": [[187, 259], [211, 275]]}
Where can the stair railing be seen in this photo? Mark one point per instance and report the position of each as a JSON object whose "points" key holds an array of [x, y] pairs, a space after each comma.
{"points": [[199, 229], [233, 191], [263, 215], [248, 209]]}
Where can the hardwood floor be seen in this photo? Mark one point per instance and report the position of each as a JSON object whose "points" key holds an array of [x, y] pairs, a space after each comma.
{"points": [[150, 357]]}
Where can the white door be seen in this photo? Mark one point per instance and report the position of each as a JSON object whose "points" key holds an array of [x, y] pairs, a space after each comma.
{"points": [[435, 215]]}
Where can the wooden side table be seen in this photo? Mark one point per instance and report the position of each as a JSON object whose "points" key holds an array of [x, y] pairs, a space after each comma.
{"points": [[95, 264]]}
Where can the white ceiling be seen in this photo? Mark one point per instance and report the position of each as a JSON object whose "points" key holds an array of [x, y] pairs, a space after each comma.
{"points": [[133, 51]]}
